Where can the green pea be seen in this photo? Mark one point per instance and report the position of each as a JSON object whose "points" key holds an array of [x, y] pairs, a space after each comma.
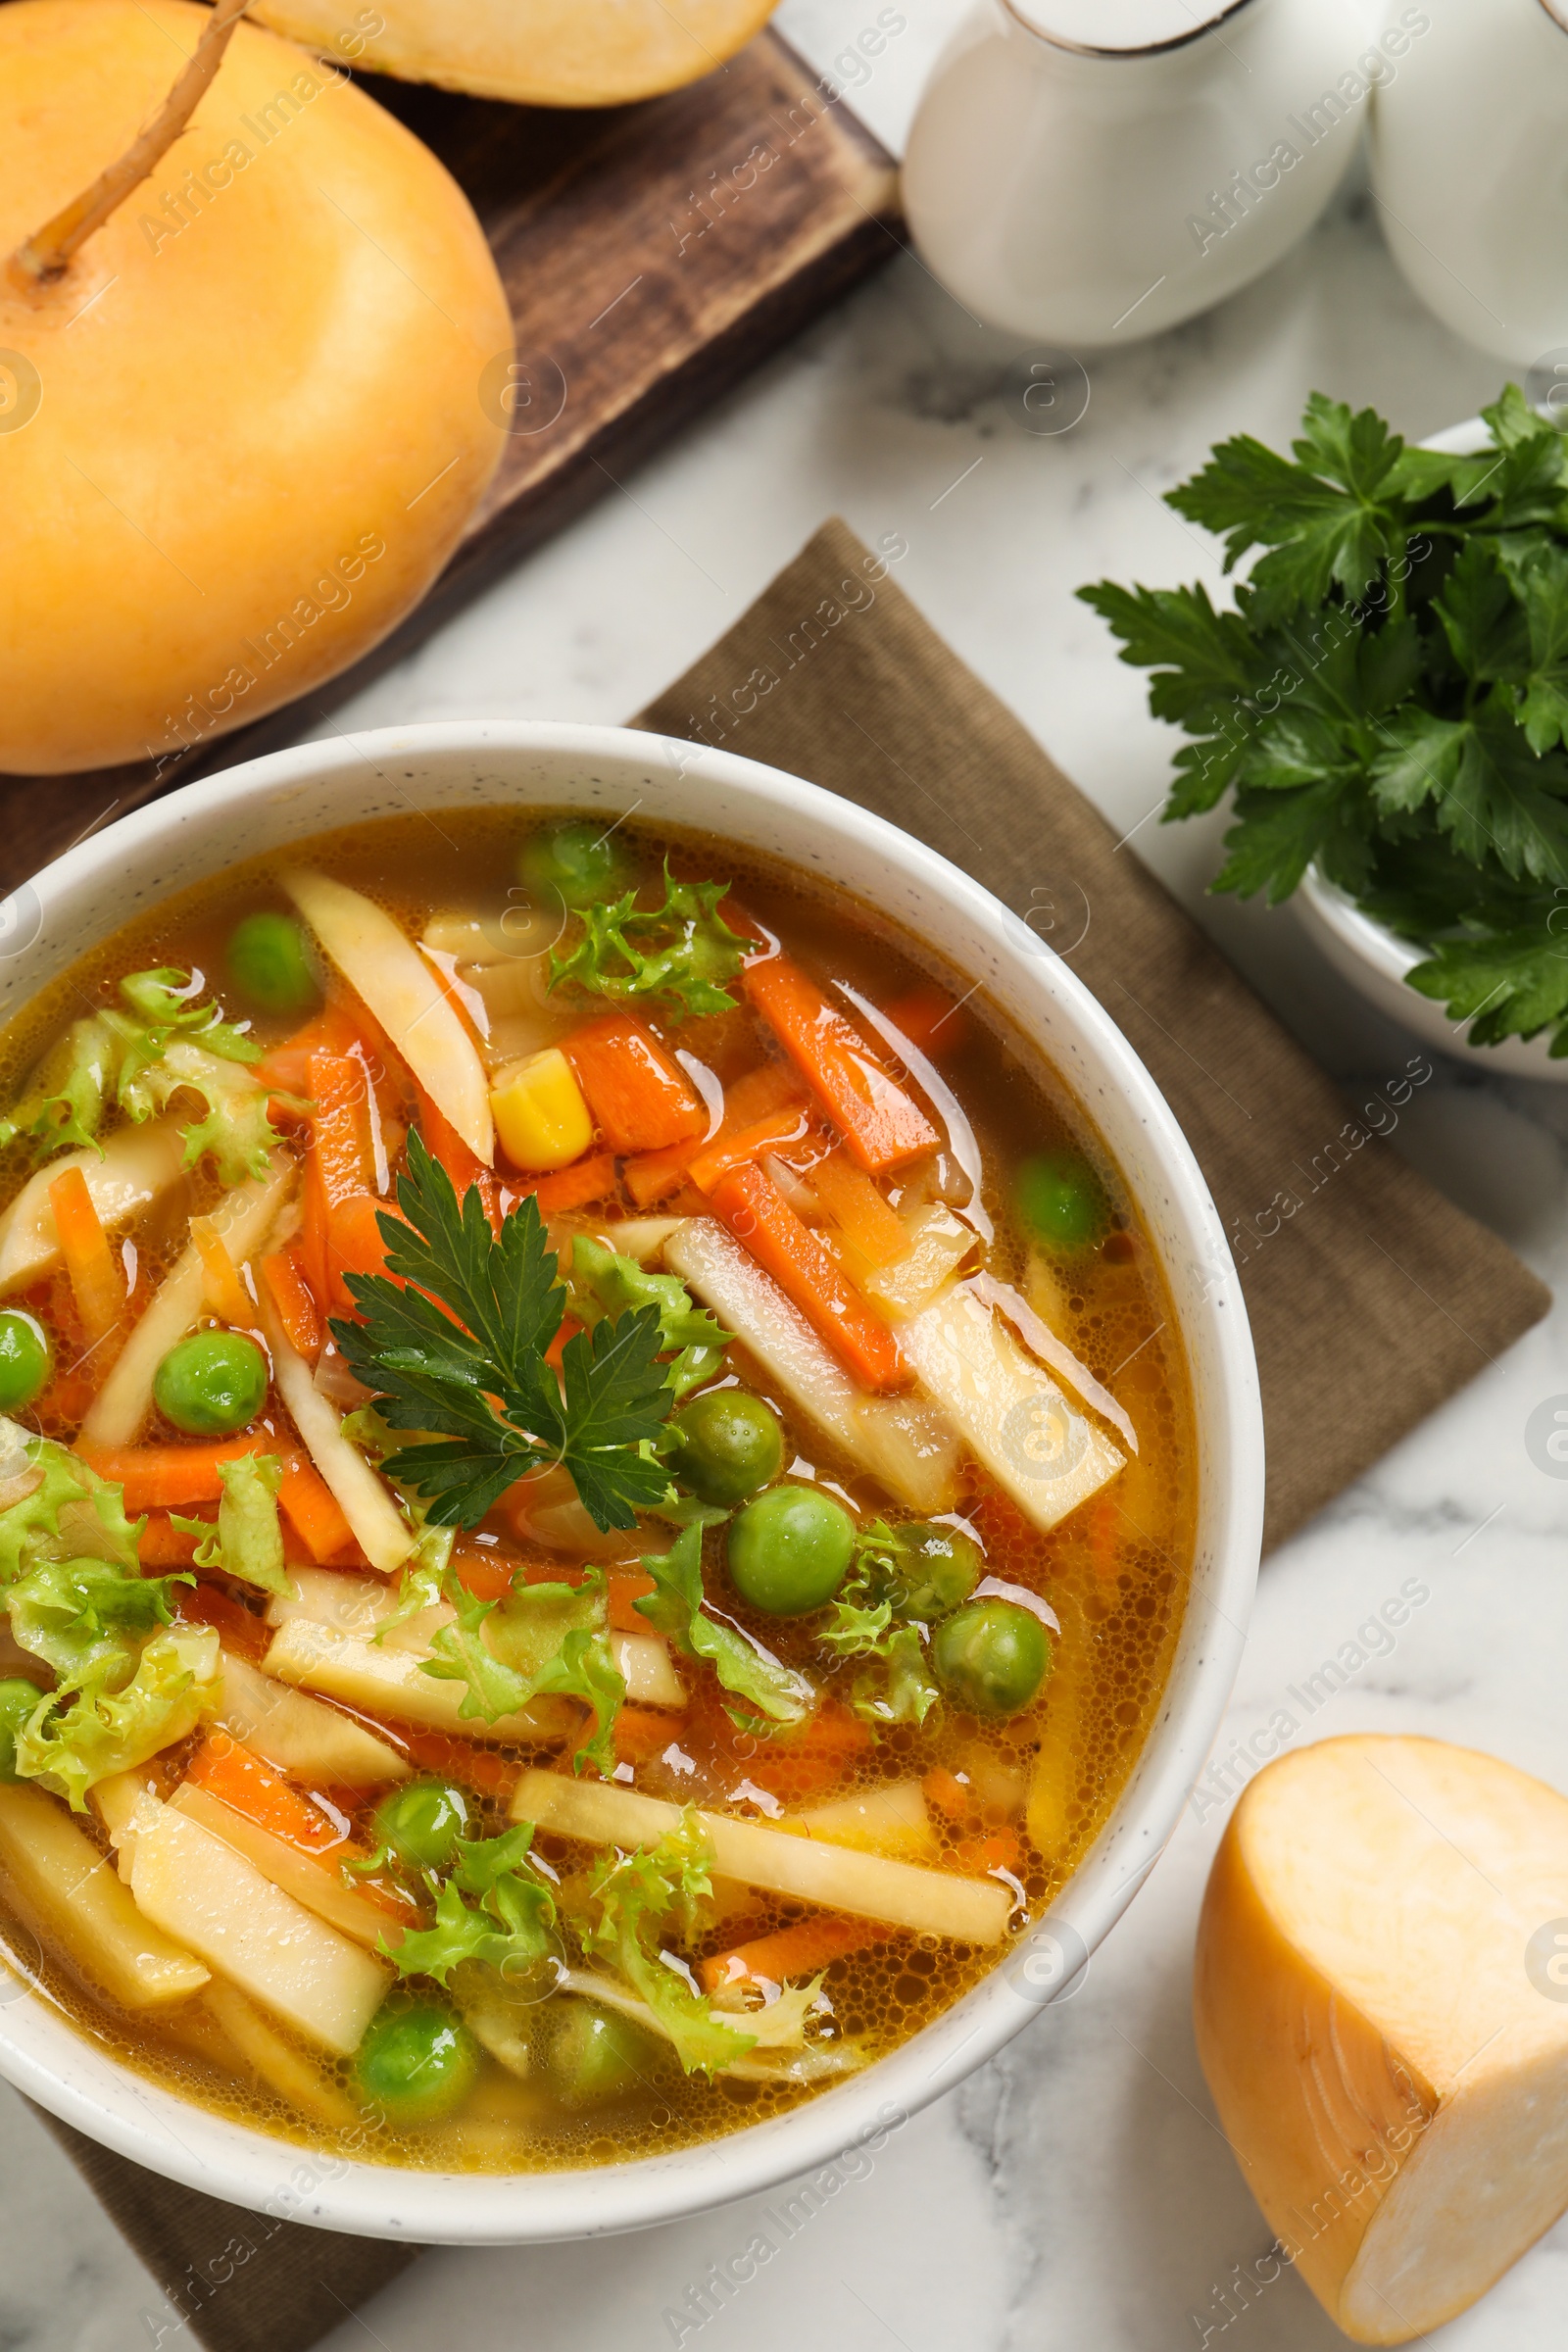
{"points": [[727, 1446], [422, 1823], [1062, 1203], [789, 1550], [596, 2055], [991, 1657], [416, 2061], [17, 1700], [27, 1358], [270, 962], [212, 1384], [579, 860], [936, 1568]]}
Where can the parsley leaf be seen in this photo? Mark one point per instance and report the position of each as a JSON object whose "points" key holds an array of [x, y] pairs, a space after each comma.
{"points": [[452, 1341], [682, 952]]}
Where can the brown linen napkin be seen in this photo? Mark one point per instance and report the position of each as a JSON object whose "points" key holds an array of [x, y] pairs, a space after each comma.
{"points": [[1371, 1300], [1371, 1297]]}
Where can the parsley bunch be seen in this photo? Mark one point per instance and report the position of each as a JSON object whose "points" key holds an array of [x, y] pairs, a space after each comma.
{"points": [[453, 1341], [1388, 699]]}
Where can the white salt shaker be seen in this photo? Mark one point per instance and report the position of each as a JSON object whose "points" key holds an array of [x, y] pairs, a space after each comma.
{"points": [[1470, 171], [1093, 171]]}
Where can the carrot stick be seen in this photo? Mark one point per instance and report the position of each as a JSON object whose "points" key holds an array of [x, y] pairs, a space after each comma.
{"points": [[655, 1174], [462, 1165], [225, 1293], [756, 1213], [798, 1951], [881, 1124], [643, 1733], [169, 1477], [207, 1604], [439, 1751], [97, 1278], [640, 1098], [577, 1187], [249, 1784], [935, 1023], [355, 1244], [313, 1509], [774, 1133], [947, 1793], [297, 1310], [340, 1126], [287, 1069], [624, 1589], [858, 1210], [162, 1545], [312, 1244]]}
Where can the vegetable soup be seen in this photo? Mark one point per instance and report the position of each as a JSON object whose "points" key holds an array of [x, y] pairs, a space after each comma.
{"points": [[597, 1490]]}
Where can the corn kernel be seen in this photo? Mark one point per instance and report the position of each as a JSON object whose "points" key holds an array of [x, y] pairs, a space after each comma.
{"points": [[540, 1114]]}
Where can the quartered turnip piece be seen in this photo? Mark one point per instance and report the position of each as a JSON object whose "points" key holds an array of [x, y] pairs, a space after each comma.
{"points": [[1382, 2008]]}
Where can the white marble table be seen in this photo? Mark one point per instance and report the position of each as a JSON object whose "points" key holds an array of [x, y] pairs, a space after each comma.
{"points": [[1078, 2191]]}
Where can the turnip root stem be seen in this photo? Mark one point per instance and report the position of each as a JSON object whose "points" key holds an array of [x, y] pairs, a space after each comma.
{"points": [[46, 254]]}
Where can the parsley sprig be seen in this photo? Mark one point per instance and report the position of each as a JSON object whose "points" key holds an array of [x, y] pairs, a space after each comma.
{"points": [[1390, 697], [452, 1341]]}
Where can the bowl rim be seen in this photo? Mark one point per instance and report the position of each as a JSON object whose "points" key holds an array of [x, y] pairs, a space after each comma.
{"points": [[52, 2064]]}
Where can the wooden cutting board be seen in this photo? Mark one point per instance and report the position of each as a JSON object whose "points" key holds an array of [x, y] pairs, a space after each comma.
{"points": [[653, 254]]}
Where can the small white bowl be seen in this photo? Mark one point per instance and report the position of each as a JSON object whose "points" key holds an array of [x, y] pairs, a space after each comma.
{"points": [[1375, 959], [200, 831]]}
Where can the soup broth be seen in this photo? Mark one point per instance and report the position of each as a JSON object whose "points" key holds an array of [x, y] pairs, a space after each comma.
{"points": [[863, 1344]]}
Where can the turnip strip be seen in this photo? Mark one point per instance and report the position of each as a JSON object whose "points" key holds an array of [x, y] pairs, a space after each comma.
{"points": [[356, 1604], [243, 1220], [301, 1736], [314, 1883], [379, 1528], [386, 968], [195, 1886], [383, 1680], [66, 1890], [929, 1902], [939, 1244], [277, 2063], [136, 1164], [892, 1821], [1040, 1340], [1010, 1413], [899, 1441]]}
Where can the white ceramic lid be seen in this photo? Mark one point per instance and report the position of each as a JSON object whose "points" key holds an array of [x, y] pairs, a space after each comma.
{"points": [[1121, 28]]}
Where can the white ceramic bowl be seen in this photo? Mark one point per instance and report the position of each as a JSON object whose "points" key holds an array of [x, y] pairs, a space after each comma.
{"points": [[198, 832], [1375, 959]]}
